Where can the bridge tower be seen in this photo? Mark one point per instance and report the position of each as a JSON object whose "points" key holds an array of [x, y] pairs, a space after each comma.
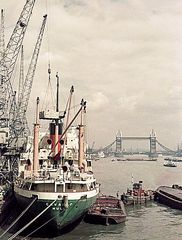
{"points": [[153, 151], [119, 147]]}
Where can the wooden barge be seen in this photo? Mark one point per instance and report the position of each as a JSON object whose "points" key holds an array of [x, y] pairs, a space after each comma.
{"points": [[106, 210]]}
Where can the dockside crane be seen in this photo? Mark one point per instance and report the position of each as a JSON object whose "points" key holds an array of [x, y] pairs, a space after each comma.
{"points": [[7, 65], [18, 124], [8, 158]]}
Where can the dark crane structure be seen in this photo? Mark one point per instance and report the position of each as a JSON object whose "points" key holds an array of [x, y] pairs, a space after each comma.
{"points": [[7, 95], [7, 65], [13, 121]]}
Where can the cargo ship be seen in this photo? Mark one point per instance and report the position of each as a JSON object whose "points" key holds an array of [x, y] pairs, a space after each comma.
{"points": [[58, 190]]}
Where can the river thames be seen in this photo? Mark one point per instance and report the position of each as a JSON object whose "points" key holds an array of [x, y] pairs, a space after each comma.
{"points": [[150, 222]]}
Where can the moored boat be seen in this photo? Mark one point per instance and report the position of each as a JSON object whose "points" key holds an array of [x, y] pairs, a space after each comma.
{"points": [[56, 192], [106, 210], [137, 195], [170, 196]]}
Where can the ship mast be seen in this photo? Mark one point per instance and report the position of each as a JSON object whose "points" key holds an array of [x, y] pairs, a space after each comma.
{"points": [[81, 136], [57, 97], [36, 140], [57, 120], [68, 114]]}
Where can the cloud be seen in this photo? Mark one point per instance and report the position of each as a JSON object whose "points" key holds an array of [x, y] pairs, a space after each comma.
{"points": [[127, 103], [125, 55], [98, 102]]}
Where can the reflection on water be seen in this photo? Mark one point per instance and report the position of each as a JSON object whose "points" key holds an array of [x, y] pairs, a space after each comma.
{"points": [[155, 221]]}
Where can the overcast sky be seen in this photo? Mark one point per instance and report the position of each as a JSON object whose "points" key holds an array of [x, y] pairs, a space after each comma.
{"points": [[123, 56]]}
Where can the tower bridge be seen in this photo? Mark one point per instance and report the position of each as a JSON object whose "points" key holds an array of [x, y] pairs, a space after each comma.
{"points": [[152, 139]]}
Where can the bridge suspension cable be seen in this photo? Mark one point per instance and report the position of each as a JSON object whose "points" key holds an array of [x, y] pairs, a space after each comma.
{"points": [[165, 148], [108, 146]]}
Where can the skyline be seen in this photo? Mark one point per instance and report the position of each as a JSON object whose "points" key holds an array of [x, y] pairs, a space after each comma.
{"points": [[123, 57]]}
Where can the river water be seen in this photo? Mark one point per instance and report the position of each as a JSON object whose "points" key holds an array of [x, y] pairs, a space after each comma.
{"points": [[154, 221]]}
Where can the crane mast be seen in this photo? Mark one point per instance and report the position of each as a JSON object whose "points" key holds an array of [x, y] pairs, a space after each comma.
{"points": [[21, 77], [2, 49], [2, 40], [20, 90], [19, 122], [7, 63]]}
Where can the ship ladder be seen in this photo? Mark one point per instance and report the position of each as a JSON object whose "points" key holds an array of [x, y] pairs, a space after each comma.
{"points": [[24, 211], [28, 224], [81, 198]]}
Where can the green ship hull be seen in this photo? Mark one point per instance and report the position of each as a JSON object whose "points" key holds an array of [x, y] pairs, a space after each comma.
{"points": [[53, 214]]}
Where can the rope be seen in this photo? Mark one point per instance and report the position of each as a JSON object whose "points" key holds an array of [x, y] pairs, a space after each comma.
{"points": [[28, 224], [18, 218], [53, 218], [48, 93], [40, 227]]}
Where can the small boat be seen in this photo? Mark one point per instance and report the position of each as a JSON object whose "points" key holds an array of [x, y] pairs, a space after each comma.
{"points": [[169, 163], [137, 195], [106, 210], [170, 196]]}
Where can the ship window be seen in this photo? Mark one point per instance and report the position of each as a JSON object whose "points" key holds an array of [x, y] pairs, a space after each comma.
{"points": [[60, 188], [46, 187], [69, 186], [43, 187], [89, 163], [34, 187], [75, 187], [26, 185]]}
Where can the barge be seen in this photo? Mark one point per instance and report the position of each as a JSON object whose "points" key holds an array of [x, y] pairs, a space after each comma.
{"points": [[106, 210], [170, 196]]}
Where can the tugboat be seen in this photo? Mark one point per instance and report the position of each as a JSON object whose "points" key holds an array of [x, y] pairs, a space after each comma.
{"points": [[56, 192], [106, 210], [137, 195]]}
